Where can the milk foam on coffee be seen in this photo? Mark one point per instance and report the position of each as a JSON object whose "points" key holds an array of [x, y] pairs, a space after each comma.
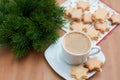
{"points": [[76, 43]]}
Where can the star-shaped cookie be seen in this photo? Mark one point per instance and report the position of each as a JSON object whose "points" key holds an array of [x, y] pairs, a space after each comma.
{"points": [[78, 26], [100, 15], [68, 11], [87, 18], [115, 19], [76, 14], [94, 64], [83, 5], [79, 72], [102, 27], [93, 33]]}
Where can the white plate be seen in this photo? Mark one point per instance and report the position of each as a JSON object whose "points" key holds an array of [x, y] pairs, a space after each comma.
{"points": [[54, 57]]}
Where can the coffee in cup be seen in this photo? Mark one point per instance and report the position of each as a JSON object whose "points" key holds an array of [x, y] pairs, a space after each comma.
{"points": [[76, 43]]}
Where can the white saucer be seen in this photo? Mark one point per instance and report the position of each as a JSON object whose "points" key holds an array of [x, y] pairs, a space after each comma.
{"points": [[54, 57]]}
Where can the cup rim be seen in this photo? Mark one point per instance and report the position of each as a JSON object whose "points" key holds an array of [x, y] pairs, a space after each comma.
{"points": [[87, 52]]}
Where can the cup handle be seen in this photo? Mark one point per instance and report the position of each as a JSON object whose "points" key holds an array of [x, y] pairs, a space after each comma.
{"points": [[97, 48]]}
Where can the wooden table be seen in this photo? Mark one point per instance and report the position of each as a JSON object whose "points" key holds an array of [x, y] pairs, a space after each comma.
{"points": [[35, 67]]}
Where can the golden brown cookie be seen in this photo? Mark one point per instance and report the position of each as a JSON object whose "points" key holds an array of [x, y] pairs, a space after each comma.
{"points": [[94, 34], [102, 27], [94, 64], [83, 5], [79, 72], [78, 26], [100, 15], [68, 11], [115, 19], [87, 18], [76, 14]]}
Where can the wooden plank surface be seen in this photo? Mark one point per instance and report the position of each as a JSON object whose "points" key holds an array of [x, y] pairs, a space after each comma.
{"points": [[35, 67]]}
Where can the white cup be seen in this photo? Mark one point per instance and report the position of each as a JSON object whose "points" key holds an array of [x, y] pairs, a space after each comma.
{"points": [[76, 59]]}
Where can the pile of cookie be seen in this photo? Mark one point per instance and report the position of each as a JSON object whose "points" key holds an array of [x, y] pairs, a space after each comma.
{"points": [[80, 72], [80, 16]]}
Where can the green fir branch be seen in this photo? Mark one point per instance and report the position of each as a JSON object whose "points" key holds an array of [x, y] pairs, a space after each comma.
{"points": [[29, 24]]}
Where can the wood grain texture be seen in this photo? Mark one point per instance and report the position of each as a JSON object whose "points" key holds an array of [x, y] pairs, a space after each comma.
{"points": [[35, 67]]}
